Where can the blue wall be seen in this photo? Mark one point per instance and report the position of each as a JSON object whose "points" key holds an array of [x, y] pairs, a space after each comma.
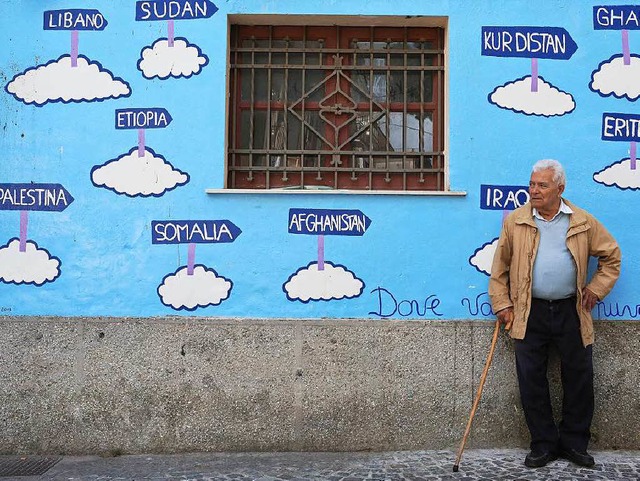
{"points": [[417, 248]]}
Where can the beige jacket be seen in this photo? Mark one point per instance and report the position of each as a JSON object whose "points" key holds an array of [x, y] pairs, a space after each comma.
{"points": [[510, 283]]}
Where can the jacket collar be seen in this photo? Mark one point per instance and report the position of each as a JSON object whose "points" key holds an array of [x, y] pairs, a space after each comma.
{"points": [[524, 215]]}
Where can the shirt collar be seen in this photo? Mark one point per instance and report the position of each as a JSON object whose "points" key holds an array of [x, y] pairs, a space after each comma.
{"points": [[564, 209]]}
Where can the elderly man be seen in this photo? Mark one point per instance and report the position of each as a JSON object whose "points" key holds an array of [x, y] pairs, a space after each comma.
{"points": [[540, 291]]}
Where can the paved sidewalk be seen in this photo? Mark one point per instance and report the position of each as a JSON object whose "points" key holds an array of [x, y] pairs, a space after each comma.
{"points": [[489, 465]]}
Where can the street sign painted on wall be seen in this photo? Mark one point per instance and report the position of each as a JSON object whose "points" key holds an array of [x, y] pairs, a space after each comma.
{"points": [[529, 42], [193, 231], [174, 10], [328, 222], [43, 197]]}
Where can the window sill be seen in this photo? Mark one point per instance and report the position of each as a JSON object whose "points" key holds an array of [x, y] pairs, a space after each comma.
{"points": [[427, 193]]}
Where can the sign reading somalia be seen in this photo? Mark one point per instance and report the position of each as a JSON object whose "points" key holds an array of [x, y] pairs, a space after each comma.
{"points": [[328, 222], [193, 231], [174, 9], [529, 42], [48, 197]]}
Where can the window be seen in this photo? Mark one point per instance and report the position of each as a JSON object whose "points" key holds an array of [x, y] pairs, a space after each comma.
{"points": [[336, 107]]}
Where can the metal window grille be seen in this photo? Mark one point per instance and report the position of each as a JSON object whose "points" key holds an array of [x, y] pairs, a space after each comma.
{"points": [[336, 107]]}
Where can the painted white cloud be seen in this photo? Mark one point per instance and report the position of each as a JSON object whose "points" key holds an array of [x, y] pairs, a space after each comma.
{"points": [[548, 101], [204, 288], [620, 175], [58, 81], [613, 77], [334, 282], [482, 258], [181, 60], [129, 174], [34, 266]]}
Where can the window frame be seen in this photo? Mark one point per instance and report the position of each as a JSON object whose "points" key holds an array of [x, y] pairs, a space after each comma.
{"points": [[440, 95]]}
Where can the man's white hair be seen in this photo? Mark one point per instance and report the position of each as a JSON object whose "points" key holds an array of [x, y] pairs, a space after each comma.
{"points": [[559, 176]]}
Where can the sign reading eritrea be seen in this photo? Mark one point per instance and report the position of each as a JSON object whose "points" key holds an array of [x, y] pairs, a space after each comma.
{"points": [[621, 127], [528, 42], [174, 9], [43, 197]]}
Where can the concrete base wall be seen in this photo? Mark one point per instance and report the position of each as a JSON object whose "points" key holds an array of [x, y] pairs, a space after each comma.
{"points": [[164, 385]]}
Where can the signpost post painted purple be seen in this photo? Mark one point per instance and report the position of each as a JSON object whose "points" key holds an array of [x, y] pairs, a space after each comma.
{"points": [[553, 43], [618, 127], [193, 232], [37, 197], [141, 119], [171, 10], [74, 19], [321, 222]]}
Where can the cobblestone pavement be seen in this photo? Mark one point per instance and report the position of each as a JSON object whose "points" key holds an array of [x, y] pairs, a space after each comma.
{"points": [[489, 465]]}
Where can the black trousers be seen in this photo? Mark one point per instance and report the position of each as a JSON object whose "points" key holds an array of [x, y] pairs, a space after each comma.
{"points": [[555, 323]]}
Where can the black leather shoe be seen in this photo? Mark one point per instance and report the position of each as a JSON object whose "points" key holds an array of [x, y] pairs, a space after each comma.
{"points": [[577, 457], [537, 459]]}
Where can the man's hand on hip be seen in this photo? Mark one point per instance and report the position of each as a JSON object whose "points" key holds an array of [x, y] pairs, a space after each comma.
{"points": [[589, 299], [505, 316]]}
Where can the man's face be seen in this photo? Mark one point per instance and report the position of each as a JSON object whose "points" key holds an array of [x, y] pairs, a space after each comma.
{"points": [[545, 193]]}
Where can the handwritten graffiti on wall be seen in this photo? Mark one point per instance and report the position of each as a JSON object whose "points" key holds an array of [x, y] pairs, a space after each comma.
{"points": [[531, 94], [73, 77], [21, 260], [322, 280], [388, 305]]}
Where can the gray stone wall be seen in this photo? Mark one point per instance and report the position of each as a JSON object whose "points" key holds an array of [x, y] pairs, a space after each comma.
{"points": [[164, 385]]}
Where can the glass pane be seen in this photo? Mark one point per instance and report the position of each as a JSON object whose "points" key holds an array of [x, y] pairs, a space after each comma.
{"points": [[294, 85], [245, 118], [261, 85], [379, 87], [277, 85], [312, 58], [396, 128], [315, 132], [312, 80], [259, 129], [295, 58], [261, 58], [413, 129], [413, 86], [362, 45], [397, 59], [294, 132], [245, 83], [360, 92], [278, 59], [414, 60], [380, 60], [427, 132], [427, 86], [396, 87]]}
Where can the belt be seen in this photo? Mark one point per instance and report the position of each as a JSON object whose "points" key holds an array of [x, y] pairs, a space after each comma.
{"points": [[554, 302]]}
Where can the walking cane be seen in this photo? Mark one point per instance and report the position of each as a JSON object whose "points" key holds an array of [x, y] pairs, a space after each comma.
{"points": [[496, 331]]}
